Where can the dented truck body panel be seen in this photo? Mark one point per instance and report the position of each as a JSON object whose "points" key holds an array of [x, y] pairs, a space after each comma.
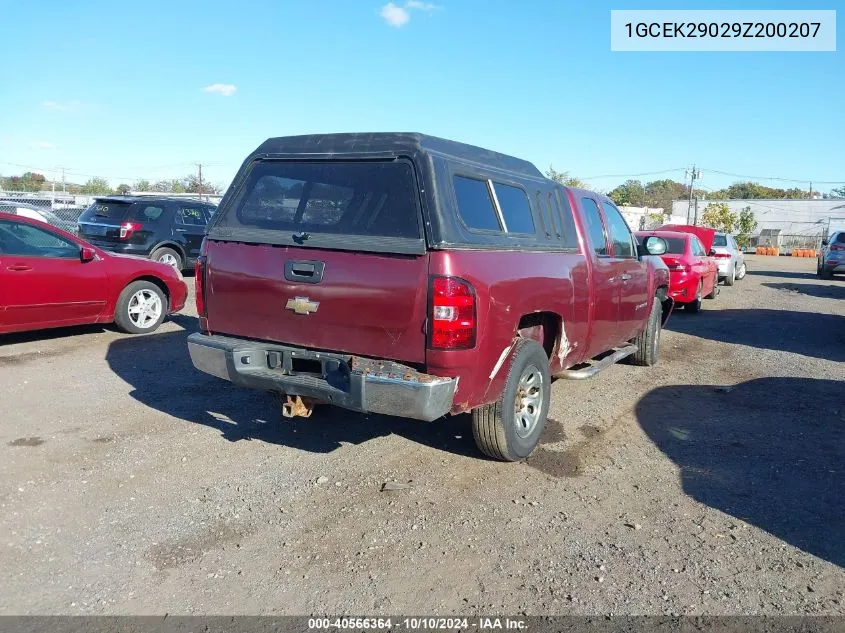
{"points": [[345, 270]]}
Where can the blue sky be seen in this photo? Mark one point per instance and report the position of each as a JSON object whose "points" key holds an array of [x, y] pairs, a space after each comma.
{"points": [[117, 88]]}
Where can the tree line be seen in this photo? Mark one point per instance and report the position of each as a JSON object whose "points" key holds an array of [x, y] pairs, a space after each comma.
{"points": [[661, 193], [34, 182]]}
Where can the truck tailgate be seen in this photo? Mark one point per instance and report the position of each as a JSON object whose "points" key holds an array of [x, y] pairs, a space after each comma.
{"points": [[371, 304]]}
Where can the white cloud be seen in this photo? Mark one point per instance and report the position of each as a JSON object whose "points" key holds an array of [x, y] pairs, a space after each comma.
{"points": [[395, 16], [227, 90], [41, 145], [61, 105], [398, 16]]}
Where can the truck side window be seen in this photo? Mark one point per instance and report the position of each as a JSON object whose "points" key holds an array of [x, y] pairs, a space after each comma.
{"points": [[475, 204], [543, 214], [595, 226], [565, 221], [515, 207], [623, 245]]}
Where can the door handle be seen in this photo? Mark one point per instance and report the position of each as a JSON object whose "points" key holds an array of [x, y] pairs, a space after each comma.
{"points": [[18, 267], [182, 230], [625, 277]]}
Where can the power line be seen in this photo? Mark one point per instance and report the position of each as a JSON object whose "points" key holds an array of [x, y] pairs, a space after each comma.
{"points": [[647, 173], [795, 180]]}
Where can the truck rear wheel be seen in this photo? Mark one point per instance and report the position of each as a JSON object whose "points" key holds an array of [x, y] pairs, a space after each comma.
{"points": [[509, 429], [648, 341]]}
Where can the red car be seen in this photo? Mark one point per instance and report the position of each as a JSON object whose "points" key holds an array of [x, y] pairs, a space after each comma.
{"points": [[50, 278], [693, 271]]}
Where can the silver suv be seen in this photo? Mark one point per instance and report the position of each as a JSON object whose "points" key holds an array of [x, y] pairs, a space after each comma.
{"points": [[730, 258], [831, 257]]}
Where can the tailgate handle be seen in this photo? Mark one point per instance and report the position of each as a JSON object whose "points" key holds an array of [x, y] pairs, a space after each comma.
{"points": [[309, 272]]}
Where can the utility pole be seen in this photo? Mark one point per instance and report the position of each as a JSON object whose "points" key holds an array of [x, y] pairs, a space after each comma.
{"points": [[693, 174], [63, 180], [199, 165]]}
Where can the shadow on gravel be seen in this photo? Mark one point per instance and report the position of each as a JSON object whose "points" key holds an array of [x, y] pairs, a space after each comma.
{"points": [[770, 452], [786, 274], [824, 291], [159, 369], [807, 333], [53, 333]]}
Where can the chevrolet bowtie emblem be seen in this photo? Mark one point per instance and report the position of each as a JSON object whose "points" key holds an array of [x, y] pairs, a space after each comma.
{"points": [[302, 305]]}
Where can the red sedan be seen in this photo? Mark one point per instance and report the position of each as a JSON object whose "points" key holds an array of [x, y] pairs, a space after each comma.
{"points": [[693, 272], [50, 278]]}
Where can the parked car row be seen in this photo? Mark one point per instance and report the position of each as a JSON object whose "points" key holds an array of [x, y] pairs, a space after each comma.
{"points": [[698, 259]]}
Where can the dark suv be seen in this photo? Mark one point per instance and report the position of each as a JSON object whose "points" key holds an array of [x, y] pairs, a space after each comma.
{"points": [[166, 229]]}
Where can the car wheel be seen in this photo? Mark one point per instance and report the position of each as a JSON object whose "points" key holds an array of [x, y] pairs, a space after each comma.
{"points": [[825, 273], [695, 306], [140, 308], [715, 292], [509, 429], [167, 256], [730, 278], [741, 273], [648, 341]]}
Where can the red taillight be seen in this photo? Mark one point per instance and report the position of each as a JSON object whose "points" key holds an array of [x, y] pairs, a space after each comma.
{"points": [[199, 286], [673, 263], [452, 314], [836, 247], [722, 255], [128, 228]]}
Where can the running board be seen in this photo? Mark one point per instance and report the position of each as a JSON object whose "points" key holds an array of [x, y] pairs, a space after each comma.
{"points": [[597, 366]]}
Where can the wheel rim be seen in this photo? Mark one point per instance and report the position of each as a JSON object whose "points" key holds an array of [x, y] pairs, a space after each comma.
{"points": [[529, 401], [144, 308], [169, 259], [741, 272]]}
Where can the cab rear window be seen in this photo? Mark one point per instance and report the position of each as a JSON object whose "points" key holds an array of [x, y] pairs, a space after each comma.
{"points": [[374, 199]]}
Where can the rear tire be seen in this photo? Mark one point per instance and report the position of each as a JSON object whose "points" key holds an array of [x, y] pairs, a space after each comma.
{"points": [[168, 256], [140, 308], [648, 341], [509, 429], [695, 306]]}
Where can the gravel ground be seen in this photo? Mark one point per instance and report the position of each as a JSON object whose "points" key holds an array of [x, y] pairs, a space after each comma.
{"points": [[710, 484]]}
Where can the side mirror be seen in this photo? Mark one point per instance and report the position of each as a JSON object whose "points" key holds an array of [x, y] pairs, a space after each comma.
{"points": [[712, 253], [86, 254], [655, 245]]}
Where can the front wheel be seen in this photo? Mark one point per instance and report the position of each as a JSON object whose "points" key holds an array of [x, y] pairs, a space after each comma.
{"points": [[648, 341], [509, 429], [140, 308]]}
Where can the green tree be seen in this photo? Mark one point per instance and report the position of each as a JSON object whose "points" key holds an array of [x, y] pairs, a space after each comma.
{"points": [[29, 181], [123, 189], [96, 186], [745, 226], [838, 193], [564, 178], [169, 186], [192, 185], [631, 193], [718, 215], [143, 185], [661, 193]]}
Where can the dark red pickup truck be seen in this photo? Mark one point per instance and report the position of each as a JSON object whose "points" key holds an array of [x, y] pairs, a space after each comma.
{"points": [[409, 275]]}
